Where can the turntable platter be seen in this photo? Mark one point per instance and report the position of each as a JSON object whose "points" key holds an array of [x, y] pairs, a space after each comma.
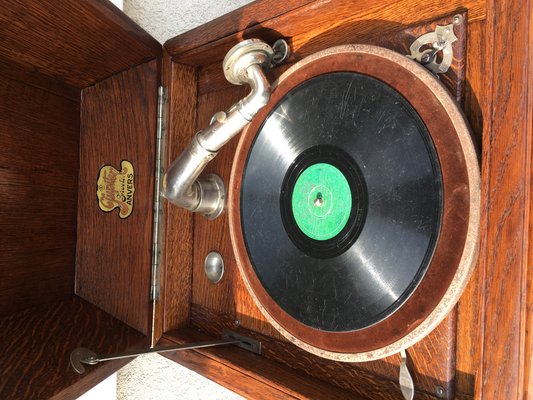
{"points": [[354, 203]]}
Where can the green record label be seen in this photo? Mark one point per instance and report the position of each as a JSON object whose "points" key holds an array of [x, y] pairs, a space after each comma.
{"points": [[321, 201]]}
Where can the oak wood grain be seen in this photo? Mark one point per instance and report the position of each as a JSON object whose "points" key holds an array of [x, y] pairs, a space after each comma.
{"points": [[79, 43], [313, 27], [528, 340], [507, 143], [398, 38], [36, 345], [178, 245], [266, 375], [349, 376], [470, 306], [39, 143], [113, 255]]}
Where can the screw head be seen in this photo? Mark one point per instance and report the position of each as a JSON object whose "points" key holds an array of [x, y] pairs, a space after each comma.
{"points": [[457, 19], [440, 391]]}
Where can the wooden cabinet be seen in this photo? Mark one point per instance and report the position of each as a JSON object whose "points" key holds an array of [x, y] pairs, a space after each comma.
{"points": [[79, 91]]}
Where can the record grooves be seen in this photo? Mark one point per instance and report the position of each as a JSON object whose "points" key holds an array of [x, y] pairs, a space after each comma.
{"points": [[350, 210], [365, 272]]}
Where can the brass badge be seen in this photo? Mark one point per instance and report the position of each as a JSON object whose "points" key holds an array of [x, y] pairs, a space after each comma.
{"points": [[116, 188]]}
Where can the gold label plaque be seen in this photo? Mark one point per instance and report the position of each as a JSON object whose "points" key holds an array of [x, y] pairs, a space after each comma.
{"points": [[116, 189]]}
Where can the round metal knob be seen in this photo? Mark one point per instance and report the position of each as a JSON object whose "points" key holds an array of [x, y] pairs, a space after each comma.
{"points": [[214, 267]]}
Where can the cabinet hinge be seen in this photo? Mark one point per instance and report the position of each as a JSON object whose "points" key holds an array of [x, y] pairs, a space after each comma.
{"points": [[158, 211]]}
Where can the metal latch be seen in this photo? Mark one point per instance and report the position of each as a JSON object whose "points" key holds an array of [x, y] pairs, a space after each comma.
{"points": [[425, 49]]}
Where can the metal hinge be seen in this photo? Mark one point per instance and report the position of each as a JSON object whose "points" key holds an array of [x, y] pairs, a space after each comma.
{"points": [[158, 211]]}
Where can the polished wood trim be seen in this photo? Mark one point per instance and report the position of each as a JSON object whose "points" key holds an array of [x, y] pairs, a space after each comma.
{"points": [[113, 255], [528, 340], [181, 81], [470, 306], [457, 242], [507, 145]]}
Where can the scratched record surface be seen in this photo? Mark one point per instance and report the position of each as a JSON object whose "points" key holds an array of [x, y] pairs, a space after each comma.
{"points": [[342, 201]]}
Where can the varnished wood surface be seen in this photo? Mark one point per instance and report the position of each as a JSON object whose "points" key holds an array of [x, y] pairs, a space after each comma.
{"points": [[113, 255], [528, 341], [289, 377], [39, 142], [360, 378], [77, 42], [264, 379], [35, 349], [181, 80], [313, 27], [507, 160], [469, 308]]}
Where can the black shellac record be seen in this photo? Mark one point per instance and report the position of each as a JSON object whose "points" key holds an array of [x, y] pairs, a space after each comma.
{"points": [[350, 143]]}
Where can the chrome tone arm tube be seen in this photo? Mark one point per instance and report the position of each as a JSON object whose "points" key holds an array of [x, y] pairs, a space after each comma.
{"points": [[181, 183]]}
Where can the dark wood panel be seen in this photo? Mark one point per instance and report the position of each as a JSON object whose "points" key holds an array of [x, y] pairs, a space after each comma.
{"points": [[294, 383], [113, 258], [310, 28], [178, 244], [79, 43], [507, 151], [39, 138], [35, 348], [9, 70]]}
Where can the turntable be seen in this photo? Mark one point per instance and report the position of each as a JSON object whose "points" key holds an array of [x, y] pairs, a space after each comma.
{"points": [[366, 231]]}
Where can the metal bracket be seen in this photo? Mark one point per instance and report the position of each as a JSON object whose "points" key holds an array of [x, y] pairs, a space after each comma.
{"points": [[426, 48], [244, 342]]}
